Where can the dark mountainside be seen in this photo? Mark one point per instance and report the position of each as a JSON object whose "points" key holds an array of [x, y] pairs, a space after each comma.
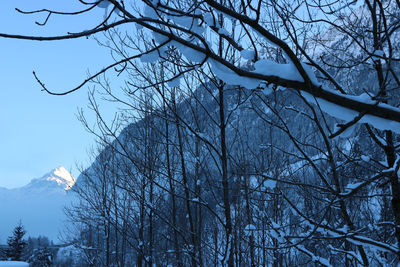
{"points": [[270, 178], [269, 185]]}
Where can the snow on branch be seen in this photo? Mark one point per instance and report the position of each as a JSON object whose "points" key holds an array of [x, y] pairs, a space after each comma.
{"points": [[187, 33]]}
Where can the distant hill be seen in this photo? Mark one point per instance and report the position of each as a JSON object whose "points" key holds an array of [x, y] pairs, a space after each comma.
{"points": [[39, 205]]}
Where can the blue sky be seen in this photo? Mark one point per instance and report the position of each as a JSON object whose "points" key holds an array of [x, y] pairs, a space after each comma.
{"points": [[40, 132]]}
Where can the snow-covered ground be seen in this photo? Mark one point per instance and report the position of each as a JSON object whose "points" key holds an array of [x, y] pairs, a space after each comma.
{"points": [[14, 263]]}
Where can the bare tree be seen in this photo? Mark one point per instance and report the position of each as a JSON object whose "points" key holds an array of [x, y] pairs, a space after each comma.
{"points": [[182, 24], [311, 184]]}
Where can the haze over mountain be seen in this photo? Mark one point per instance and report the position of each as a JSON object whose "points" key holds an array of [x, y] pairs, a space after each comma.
{"points": [[39, 205]]}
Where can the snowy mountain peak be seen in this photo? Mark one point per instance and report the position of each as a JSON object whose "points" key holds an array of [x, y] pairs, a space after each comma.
{"points": [[62, 177], [38, 205]]}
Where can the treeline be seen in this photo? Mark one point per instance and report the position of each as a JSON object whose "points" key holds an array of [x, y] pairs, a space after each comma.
{"points": [[37, 251]]}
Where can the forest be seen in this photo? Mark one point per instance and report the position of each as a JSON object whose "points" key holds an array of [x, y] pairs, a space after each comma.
{"points": [[249, 133]]}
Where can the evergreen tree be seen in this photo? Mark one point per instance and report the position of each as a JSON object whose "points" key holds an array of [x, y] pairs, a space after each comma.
{"points": [[42, 257], [16, 243]]}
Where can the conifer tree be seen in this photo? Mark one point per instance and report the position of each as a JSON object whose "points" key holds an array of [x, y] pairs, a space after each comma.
{"points": [[42, 257], [16, 243]]}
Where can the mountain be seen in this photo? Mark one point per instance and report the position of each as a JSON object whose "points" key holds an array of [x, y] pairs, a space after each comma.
{"points": [[39, 205]]}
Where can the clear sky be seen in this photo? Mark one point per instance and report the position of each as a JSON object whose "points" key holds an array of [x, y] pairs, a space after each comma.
{"points": [[40, 132]]}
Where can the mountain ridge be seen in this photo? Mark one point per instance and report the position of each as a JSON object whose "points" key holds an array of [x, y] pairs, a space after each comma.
{"points": [[38, 205]]}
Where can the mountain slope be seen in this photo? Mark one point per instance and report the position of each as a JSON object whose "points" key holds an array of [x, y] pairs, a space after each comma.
{"points": [[39, 205]]}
